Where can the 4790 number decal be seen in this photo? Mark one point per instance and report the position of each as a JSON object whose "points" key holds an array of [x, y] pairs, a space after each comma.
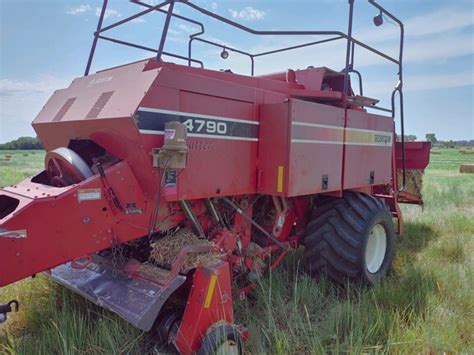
{"points": [[196, 125]]}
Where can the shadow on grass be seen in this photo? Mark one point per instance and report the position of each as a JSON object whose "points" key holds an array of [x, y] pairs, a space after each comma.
{"points": [[416, 237]]}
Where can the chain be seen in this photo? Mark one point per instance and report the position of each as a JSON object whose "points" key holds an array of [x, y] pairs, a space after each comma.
{"points": [[117, 251]]}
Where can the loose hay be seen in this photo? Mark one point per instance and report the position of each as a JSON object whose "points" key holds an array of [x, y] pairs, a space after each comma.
{"points": [[414, 181], [466, 168], [466, 152], [165, 250]]}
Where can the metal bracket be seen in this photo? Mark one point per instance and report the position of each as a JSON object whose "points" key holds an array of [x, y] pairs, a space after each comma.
{"points": [[7, 308], [325, 182], [260, 228]]}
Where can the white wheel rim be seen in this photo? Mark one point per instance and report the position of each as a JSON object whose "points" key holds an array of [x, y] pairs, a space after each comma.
{"points": [[376, 248], [229, 347]]}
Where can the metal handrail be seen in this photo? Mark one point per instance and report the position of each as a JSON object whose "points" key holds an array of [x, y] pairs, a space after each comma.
{"points": [[350, 50]]}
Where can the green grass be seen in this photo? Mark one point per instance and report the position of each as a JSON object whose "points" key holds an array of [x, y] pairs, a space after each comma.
{"points": [[425, 306], [17, 165]]}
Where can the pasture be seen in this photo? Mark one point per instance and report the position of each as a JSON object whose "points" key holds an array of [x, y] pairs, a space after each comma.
{"points": [[425, 306]]}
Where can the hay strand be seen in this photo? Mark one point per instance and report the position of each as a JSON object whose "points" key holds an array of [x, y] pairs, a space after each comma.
{"points": [[414, 181], [165, 250]]}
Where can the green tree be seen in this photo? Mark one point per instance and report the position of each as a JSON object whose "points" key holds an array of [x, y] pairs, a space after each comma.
{"points": [[24, 143], [408, 137], [430, 137]]}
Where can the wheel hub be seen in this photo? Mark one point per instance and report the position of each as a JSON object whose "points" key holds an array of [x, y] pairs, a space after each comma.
{"points": [[65, 167], [376, 248], [229, 347]]}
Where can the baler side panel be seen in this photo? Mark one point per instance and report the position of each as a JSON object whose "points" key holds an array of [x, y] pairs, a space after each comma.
{"points": [[226, 165], [300, 148], [368, 150], [222, 132], [315, 159], [273, 149]]}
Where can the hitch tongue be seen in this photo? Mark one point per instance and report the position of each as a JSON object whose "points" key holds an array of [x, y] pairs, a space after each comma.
{"points": [[7, 308]]}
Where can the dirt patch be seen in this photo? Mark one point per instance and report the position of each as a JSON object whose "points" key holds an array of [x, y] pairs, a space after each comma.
{"points": [[165, 251], [466, 168], [414, 181]]}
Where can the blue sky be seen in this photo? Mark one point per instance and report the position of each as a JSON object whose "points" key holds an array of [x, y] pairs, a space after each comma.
{"points": [[45, 44]]}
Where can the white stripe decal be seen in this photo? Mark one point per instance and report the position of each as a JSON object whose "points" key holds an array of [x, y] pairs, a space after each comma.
{"points": [[180, 113], [314, 141], [371, 144], [194, 135], [148, 131], [317, 125]]}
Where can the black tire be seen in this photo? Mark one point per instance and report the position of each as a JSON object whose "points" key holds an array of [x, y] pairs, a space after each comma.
{"points": [[218, 336], [337, 237]]}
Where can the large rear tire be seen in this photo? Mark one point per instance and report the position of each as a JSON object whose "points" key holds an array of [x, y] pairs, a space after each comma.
{"points": [[350, 239]]}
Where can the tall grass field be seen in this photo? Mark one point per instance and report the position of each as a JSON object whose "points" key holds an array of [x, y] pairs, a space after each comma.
{"points": [[426, 305]]}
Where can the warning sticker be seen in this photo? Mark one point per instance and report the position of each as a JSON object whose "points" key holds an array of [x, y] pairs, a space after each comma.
{"points": [[170, 133], [89, 194]]}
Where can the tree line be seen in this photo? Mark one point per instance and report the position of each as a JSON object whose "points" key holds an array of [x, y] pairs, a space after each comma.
{"points": [[30, 143], [22, 143], [431, 137]]}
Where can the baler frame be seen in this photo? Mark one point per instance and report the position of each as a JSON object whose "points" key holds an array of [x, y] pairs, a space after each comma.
{"points": [[152, 162], [349, 56]]}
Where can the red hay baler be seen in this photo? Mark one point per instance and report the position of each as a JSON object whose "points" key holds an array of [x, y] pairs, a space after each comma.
{"points": [[174, 182]]}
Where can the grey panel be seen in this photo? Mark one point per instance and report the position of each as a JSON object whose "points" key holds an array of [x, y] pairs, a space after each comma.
{"points": [[136, 301]]}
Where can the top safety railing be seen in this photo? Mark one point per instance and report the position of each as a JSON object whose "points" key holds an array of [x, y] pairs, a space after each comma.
{"points": [[167, 8]]}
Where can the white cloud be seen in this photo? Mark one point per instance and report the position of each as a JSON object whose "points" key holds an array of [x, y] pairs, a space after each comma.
{"points": [[248, 13], [138, 20], [187, 28], [20, 102], [78, 10], [422, 83], [108, 13], [46, 83], [83, 9], [436, 22]]}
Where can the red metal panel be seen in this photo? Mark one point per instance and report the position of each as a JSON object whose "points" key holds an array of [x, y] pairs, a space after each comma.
{"points": [[316, 148], [79, 228], [300, 144], [218, 165], [273, 147], [209, 301], [125, 86], [221, 166], [417, 155], [368, 149]]}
